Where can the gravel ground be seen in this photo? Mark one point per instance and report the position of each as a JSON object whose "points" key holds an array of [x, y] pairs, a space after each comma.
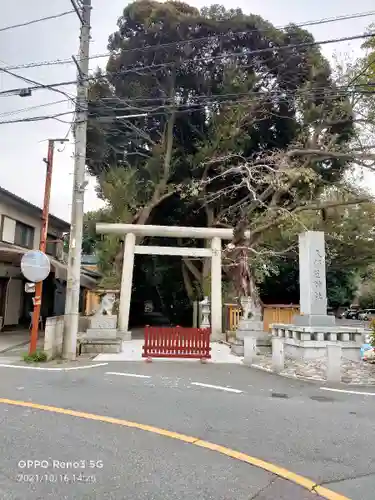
{"points": [[352, 372]]}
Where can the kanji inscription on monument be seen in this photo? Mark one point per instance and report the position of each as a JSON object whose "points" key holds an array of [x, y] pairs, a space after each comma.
{"points": [[313, 294]]}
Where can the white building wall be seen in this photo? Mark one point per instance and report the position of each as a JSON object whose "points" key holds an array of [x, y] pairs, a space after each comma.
{"points": [[11, 215]]}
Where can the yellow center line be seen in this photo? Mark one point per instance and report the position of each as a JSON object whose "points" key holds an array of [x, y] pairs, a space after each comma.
{"points": [[256, 462]]}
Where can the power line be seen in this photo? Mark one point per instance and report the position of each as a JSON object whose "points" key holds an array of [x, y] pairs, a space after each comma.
{"points": [[30, 108], [198, 40], [34, 21], [190, 108], [239, 33], [40, 85], [206, 99], [39, 118], [138, 69], [317, 92], [298, 92]]}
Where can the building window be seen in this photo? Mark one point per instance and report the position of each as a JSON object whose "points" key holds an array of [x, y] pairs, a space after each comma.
{"points": [[24, 235], [51, 245]]}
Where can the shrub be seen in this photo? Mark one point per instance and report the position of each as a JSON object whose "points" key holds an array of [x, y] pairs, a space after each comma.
{"points": [[35, 357]]}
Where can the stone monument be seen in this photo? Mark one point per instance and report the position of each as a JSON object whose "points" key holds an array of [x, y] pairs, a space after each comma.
{"points": [[312, 288], [314, 330]]}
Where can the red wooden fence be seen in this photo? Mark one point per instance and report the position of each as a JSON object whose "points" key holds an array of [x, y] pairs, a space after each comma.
{"points": [[176, 342]]}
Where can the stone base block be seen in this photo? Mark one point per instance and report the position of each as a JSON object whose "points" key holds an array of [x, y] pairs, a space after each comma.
{"points": [[311, 350], [98, 346], [249, 327], [125, 336], [314, 320], [101, 333], [103, 322], [263, 345]]}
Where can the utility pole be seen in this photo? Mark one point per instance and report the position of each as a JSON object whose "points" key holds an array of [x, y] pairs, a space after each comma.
{"points": [[42, 243], [83, 11]]}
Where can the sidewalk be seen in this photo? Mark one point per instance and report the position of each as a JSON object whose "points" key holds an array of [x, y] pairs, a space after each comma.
{"points": [[12, 339], [132, 351]]}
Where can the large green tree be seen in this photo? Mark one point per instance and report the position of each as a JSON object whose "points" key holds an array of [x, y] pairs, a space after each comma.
{"points": [[231, 127]]}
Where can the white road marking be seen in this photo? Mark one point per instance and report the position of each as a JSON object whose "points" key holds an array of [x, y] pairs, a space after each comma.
{"points": [[219, 387], [136, 375], [48, 369], [348, 392], [84, 367]]}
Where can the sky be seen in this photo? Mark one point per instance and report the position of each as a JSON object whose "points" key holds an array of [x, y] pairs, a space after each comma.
{"points": [[24, 145]]}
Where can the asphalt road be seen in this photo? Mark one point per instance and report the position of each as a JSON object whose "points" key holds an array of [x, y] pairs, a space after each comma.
{"points": [[325, 436]]}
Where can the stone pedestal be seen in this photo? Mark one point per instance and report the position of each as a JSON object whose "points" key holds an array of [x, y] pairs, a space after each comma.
{"points": [[253, 328], [249, 328], [102, 327], [102, 336], [314, 320], [103, 321]]}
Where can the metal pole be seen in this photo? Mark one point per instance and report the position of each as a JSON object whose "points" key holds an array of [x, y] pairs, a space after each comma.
{"points": [[75, 243], [42, 247]]}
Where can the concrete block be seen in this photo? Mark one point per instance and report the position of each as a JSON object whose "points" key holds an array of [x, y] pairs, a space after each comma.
{"points": [[334, 355], [250, 350], [237, 348], [103, 321], [53, 337], [344, 337], [101, 333], [315, 320], [249, 327], [278, 354], [97, 346], [124, 335]]}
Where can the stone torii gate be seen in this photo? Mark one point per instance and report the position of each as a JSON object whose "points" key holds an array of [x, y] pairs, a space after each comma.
{"points": [[132, 231]]}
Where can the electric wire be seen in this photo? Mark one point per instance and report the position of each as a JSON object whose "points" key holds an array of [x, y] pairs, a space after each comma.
{"points": [[39, 85], [198, 40], [242, 54], [186, 108], [31, 108], [34, 21]]}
